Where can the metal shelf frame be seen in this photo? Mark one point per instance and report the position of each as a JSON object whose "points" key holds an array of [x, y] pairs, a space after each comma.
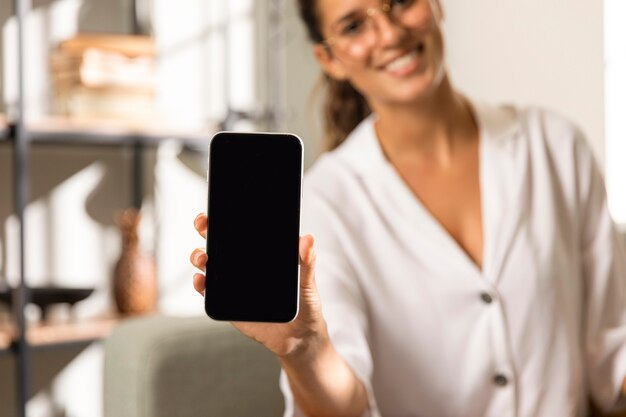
{"points": [[21, 192]]}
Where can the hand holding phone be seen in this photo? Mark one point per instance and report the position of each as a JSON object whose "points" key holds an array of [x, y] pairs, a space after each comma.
{"points": [[282, 339]]}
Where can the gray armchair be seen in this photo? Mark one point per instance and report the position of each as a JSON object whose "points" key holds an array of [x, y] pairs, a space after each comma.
{"points": [[188, 367]]}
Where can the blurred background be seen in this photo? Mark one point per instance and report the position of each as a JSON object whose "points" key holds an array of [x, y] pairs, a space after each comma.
{"points": [[122, 96]]}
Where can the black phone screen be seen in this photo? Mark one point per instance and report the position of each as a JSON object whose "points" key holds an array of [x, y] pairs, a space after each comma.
{"points": [[255, 182]]}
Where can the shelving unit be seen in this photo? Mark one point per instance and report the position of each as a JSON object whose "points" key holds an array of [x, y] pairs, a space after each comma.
{"points": [[19, 338]]}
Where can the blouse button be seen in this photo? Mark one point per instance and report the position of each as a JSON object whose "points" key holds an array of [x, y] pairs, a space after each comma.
{"points": [[500, 380], [486, 297]]}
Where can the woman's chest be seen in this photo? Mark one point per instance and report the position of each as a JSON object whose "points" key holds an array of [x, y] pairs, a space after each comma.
{"points": [[451, 196]]}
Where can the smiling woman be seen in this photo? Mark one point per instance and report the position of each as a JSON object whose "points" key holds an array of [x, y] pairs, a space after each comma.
{"points": [[465, 262]]}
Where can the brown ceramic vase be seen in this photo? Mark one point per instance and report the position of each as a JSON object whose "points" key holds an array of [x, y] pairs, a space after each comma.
{"points": [[134, 279]]}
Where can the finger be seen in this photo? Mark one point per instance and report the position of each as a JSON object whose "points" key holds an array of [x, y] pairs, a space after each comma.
{"points": [[199, 282], [199, 259], [307, 260], [200, 223]]}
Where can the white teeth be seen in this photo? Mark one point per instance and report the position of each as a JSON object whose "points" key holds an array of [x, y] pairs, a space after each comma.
{"points": [[400, 62]]}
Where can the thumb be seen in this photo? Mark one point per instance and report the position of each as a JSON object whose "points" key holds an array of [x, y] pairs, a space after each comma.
{"points": [[307, 260]]}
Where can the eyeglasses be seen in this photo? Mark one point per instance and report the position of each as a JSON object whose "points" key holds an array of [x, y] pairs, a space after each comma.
{"points": [[355, 34]]}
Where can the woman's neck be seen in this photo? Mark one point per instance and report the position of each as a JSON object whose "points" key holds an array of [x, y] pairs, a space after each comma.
{"points": [[430, 130]]}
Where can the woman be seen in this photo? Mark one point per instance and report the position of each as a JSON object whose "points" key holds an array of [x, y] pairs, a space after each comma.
{"points": [[466, 261]]}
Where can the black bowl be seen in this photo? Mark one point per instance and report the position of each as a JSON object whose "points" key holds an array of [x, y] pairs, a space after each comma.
{"points": [[46, 296]]}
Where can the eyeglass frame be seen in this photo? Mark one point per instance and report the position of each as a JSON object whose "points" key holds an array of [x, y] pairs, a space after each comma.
{"points": [[370, 12]]}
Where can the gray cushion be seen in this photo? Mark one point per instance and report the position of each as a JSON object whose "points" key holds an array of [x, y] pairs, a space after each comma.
{"points": [[184, 367]]}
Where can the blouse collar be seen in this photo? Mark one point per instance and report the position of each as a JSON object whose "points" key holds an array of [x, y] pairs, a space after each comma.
{"points": [[362, 151]]}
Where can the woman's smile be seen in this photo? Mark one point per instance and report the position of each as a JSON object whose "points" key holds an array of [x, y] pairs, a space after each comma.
{"points": [[405, 63]]}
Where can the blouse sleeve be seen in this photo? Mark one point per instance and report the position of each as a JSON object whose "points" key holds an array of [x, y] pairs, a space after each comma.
{"points": [[604, 272], [343, 305]]}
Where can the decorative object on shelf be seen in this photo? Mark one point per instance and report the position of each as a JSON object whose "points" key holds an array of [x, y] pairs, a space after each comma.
{"points": [[44, 297], [135, 284], [105, 76]]}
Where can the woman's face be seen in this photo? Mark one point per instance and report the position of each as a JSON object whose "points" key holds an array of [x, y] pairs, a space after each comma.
{"points": [[392, 57]]}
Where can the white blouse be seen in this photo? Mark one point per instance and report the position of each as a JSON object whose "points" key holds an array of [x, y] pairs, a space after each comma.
{"points": [[537, 331]]}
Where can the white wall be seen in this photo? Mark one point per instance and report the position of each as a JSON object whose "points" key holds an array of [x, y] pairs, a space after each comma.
{"points": [[302, 74], [615, 91], [532, 52]]}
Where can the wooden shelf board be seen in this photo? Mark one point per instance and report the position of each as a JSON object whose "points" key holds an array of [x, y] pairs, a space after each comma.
{"points": [[50, 334], [60, 129]]}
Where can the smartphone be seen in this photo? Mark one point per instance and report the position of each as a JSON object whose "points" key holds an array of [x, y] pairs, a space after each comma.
{"points": [[255, 193]]}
